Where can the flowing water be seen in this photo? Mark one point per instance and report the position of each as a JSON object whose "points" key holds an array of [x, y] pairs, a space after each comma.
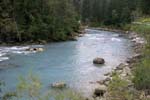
{"points": [[69, 61]]}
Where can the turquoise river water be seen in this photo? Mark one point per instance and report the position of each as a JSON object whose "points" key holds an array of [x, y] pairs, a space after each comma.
{"points": [[69, 61]]}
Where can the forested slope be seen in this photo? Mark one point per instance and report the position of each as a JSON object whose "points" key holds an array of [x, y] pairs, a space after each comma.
{"points": [[113, 12], [37, 20], [56, 20]]}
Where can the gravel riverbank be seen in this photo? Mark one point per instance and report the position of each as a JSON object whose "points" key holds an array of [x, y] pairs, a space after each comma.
{"points": [[124, 70]]}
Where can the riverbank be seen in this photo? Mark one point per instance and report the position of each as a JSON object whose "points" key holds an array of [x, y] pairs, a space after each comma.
{"points": [[71, 37], [119, 83], [109, 29]]}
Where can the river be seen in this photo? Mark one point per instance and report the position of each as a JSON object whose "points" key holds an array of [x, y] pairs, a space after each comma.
{"points": [[71, 61]]}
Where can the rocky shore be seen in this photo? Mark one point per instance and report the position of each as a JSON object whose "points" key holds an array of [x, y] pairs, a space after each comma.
{"points": [[123, 70], [108, 29]]}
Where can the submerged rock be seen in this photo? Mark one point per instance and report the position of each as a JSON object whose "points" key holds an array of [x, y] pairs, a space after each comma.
{"points": [[98, 61], [58, 85]]}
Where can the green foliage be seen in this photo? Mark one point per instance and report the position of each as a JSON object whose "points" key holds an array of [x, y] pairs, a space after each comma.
{"points": [[144, 6], [126, 27], [144, 20], [30, 88], [142, 79], [142, 71], [113, 12], [142, 26], [108, 12], [118, 89], [9, 96], [26, 20], [66, 95]]}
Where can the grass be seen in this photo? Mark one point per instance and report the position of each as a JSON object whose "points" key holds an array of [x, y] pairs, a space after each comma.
{"points": [[118, 89], [144, 20], [142, 69]]}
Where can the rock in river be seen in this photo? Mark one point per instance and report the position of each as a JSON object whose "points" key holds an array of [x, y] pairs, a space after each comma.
{"points": [[35, 49], [40, 49], [98, 61], [100, 91], [59, 85]]}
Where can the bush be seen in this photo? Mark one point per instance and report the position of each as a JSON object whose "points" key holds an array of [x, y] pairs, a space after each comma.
{"points": [[118, 89], [142, 69], [30, 88], [142, 75]]}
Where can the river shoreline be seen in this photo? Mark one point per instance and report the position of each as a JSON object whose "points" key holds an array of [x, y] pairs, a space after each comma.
{"points": [[124, 70], [72, 37], [109, 29]]}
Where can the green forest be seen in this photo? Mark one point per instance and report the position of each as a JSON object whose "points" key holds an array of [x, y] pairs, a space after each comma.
{"points": [[37, 20], [113, 12], [56, 20]]}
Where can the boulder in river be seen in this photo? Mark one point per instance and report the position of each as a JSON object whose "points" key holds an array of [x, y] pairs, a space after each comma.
{"points": [[100, 91], [40, 49], [98, 61], [59, 85], [35, 49]]}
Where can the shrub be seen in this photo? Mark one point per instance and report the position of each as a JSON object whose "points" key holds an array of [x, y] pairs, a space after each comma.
{"points": [[118, 89], [142, 75], [142, 69], [30, 88]]}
